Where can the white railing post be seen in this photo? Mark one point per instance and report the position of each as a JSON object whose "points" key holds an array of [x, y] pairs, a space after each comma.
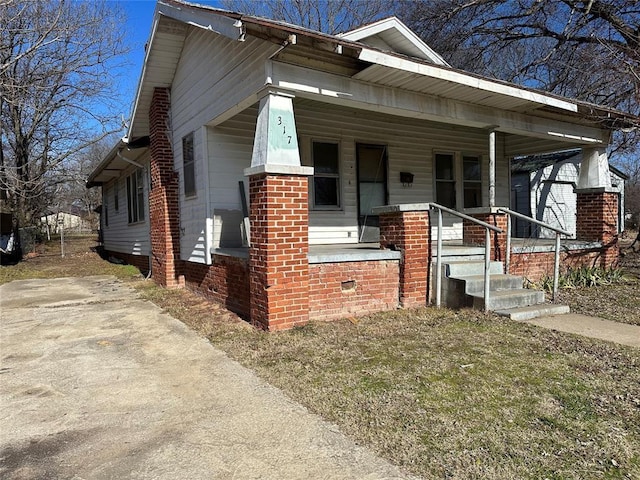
{"points": [[556, 268], [558, 232], [439, 261], [507, 259], [487, 265]]}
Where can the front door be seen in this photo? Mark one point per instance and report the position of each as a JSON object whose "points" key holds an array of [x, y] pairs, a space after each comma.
{"points": [[372, 188]]}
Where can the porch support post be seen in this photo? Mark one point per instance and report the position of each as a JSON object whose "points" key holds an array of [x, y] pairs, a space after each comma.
{"points": [[594, 169], [164, 211], [407, 228], [279, 219], [597, 205], [492, 168]]}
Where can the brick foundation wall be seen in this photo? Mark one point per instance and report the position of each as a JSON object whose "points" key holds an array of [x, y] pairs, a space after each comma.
{"points": [[338, 290], [409, 233], [474, 234], [225, 282], [597, 220], [278, 256], [164, 210], [535, 266]]}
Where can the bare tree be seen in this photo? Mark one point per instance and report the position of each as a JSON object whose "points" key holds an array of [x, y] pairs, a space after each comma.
{"points": [[55, 85], [71, 194], [328, 16], [589, 50]]}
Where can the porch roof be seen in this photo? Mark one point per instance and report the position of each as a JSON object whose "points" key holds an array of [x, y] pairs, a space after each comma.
{"points": [[353, 59]]}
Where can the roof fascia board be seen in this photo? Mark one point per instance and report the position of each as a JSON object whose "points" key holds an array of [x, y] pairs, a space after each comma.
{"points": [[387, 24], [380, 58], [339, 90], [211, 21], [105, 162]]}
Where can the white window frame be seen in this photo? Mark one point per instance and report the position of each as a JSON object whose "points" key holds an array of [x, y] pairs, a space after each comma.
{"points": [[189, 165], [454, 180], [464, 181], [458, 177], [135, 196], [337, 176]]}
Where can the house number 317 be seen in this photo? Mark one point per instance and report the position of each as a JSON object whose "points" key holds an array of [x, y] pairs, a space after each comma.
{"points": [[284, 130]]}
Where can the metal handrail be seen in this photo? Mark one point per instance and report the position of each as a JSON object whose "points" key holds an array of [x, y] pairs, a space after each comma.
{"points": [[559, 231], [487, 250]]}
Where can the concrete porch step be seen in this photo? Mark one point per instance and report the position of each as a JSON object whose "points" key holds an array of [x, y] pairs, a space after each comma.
{"points": [[466, 268], [497, 281], [533, 311], [507, 299], [456, 253]]}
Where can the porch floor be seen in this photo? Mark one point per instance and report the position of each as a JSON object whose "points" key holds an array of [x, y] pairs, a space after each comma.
{"points": [[358, 252]]}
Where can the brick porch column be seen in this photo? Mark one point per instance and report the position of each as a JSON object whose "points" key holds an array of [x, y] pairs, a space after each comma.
{"points": [[278, 256], [474, 234], [407, 228], [163, 196], [597, 221]]}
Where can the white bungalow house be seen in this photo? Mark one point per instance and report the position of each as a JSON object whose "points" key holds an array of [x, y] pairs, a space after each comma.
{"points": [[543, 187], [258, 152]]}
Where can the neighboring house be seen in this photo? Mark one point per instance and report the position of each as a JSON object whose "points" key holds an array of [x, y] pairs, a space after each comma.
{"points": [[544, 187], [71, 221], [252, 130]]}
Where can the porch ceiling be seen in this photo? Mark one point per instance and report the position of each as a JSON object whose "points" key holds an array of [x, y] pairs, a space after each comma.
{"points": [[441, 83]]}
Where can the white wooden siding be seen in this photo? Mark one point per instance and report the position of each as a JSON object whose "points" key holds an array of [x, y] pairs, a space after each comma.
{"points": [[411, 145], [120, 235], [410, 148], [230, 147], [553, 197], [214, 74]]}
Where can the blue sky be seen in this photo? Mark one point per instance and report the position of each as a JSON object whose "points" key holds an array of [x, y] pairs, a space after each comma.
{"points": [[139, 20]]}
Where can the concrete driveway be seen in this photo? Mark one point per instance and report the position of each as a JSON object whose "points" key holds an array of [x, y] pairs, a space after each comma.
{"points": [[96, 384]]}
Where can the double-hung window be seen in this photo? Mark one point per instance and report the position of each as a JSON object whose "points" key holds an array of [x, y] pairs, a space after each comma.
{"points": [[135, 196], [116, 196], [326, 176], [189, 166]]}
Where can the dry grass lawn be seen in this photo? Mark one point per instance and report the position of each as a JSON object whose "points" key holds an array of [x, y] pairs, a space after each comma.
{"points": [[442, 393]]}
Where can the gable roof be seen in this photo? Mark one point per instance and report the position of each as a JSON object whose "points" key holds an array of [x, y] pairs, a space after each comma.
{"points": [[391, 35], [354, 59]]}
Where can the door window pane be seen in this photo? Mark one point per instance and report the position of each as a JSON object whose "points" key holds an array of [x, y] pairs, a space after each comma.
{"points": [[326, 176], [445, 183]]}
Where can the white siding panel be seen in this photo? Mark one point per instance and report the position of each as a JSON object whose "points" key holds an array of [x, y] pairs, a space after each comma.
{"points": [[193, 211], [230, 147], [214, 74], [410, 148], [120, 235]]}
